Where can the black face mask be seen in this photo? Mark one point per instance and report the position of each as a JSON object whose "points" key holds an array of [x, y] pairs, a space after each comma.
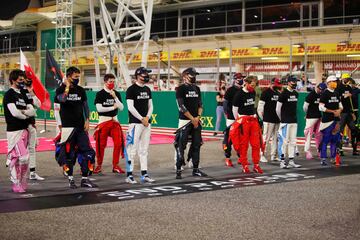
{"points": [[75, 81], [192, 79], [20, 85], [146, 79], [293, 86], [28, 83]]}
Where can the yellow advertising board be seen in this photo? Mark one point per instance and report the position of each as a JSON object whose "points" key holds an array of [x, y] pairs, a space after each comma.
{"points": [[9, 66], [265, 51]]}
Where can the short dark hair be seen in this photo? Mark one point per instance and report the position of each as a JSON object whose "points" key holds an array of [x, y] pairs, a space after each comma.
{"points": [[108, 76], [72, 70], [249, 79], [15, 74]]}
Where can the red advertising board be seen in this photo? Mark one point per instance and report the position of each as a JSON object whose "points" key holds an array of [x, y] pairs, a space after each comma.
{"points": [[341, 65], [271, 67]]}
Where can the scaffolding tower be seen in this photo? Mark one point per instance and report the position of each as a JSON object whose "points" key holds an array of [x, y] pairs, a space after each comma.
{"points": [[64, 32], [114, 35]]}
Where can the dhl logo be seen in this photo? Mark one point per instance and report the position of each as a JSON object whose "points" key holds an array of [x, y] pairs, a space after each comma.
{"points": [[272, 51], [154, 57], [240, 52], [135, 58], [348, 48], [208, 54], [90, 60], [310, 49], [10, 65], [181, 55]]}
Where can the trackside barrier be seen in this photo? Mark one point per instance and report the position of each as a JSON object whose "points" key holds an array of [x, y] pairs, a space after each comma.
{"points": [[166, 111]]}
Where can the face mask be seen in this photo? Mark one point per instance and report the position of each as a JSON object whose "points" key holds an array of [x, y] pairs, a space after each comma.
{"points": [[28, 83], [146, 78], [277, 88], [332, 85], [110, 86], [239, 82], [250, 88], [20, 85], [293, 86], [75, 81], [192, 79]]}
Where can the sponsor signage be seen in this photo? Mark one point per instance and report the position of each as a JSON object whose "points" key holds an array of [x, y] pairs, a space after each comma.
{"points": [[266, 51], [341, 65], [271, 67]]}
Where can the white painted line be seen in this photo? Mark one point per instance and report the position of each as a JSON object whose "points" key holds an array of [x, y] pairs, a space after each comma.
{"points": [[125, 197], [155, 194], [179, 191]]}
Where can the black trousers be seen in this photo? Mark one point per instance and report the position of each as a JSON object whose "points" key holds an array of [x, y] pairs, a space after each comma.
{"points": [[227, 144], [77, 147], [347, 119], [181, 139]]}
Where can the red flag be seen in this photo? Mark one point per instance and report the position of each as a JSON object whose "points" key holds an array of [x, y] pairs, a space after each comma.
{"points": [[40, 91]]}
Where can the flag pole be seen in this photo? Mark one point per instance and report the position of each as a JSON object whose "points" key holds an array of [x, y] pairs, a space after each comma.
{"points": [[44, 115]]}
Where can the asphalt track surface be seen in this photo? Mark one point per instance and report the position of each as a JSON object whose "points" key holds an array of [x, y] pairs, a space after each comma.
{"points": [[308, 203]]}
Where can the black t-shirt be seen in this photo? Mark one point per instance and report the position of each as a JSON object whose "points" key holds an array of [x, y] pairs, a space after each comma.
{"points": [[141, 96], [355, 99], [332, 102], [72, 110], [221, 97], [191, 96], [245, 101], [106, 100], [342, 90], [313, 99], [29, 100], [270, 97], [289, 105], [13, 123], [229, 97]]}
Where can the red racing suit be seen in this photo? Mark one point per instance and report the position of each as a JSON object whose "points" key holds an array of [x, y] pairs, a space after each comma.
{"points": [[245, 130], [102, 132]]}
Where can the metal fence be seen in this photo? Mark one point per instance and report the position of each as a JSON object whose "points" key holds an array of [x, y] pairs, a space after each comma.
{"points": [[273, 54]]}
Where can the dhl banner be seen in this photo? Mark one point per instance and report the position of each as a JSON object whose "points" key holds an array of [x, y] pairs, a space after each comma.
{"points": [[8, 65], [266, 51]]}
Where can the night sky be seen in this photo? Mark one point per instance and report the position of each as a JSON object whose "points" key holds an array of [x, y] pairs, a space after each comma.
{"points": [[9, 8]]}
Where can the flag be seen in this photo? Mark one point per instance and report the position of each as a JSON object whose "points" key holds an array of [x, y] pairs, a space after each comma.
{"points": [[40, 91], [53, 76]]}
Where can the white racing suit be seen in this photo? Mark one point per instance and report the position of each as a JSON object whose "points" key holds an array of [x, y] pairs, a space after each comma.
{"points": [[287, 140], [137, 141]]}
